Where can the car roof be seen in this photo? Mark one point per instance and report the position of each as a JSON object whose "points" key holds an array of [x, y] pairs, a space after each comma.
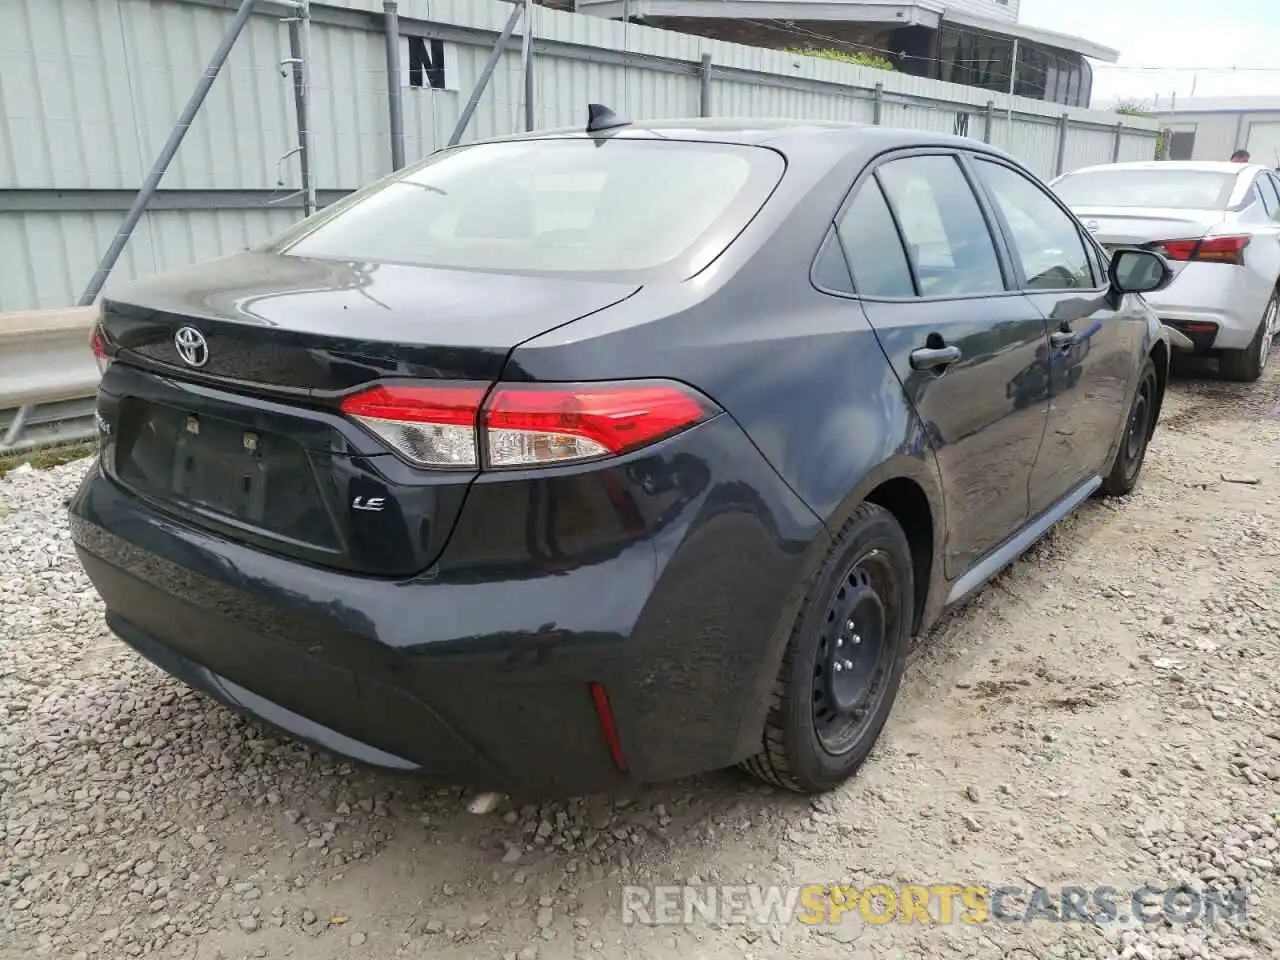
{"points": [[1207, 166], [783, 134]]}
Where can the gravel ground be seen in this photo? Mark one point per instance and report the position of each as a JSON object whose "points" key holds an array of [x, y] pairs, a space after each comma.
{"points": [[1104, 713]]}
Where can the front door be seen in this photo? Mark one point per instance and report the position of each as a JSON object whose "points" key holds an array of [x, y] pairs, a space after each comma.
{"points": [[1093, 346], [925, 267]]}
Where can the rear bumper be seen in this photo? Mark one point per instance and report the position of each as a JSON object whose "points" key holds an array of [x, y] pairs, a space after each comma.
{"points": [[480, 671], [1214, 305]]}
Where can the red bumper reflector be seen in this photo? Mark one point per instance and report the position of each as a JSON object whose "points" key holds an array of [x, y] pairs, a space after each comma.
{"points": [[607, 726]]}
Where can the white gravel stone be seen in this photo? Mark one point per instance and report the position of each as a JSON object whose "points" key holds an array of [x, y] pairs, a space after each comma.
{"points": [[1107, 712]]}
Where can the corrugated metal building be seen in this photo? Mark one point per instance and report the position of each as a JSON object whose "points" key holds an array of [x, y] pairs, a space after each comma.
{"points": [[91, 89], [1213, 128]]}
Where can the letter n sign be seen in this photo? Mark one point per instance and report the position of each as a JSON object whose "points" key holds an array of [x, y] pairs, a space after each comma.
{"points": [[431, 65]]}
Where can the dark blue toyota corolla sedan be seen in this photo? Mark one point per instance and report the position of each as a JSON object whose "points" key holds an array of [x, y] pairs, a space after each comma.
{"points": [[613, 454]]}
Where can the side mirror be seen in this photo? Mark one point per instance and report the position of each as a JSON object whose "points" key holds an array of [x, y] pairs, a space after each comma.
{"points": [[1138, 271]]}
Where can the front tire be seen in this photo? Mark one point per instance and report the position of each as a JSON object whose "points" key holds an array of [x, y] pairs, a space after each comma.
{"points": [[1247, 365], [844, 661], [1138, 427]]}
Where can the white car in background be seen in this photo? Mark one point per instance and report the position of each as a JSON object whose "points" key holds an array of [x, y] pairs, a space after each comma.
{"points": [[1218, 224]]}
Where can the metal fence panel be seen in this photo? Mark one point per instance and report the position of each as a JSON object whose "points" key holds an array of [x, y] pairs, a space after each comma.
{"points": [[48, 256], [89, 90]]}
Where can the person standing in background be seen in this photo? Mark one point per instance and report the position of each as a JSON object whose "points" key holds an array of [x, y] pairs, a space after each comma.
{"points": [[1240, 156]]}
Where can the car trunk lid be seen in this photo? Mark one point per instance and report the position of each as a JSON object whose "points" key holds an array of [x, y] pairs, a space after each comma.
{"points": [[311, 327], [237, 428], [1127, 227]]}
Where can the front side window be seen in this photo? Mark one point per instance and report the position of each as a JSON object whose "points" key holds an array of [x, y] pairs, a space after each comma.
{"points": [[947, 237], [1046, 242], [572, 206]]}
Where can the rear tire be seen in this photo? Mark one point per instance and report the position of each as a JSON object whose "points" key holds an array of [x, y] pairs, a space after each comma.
{"points": [[844, 661], [1247, 365], [1136, 435]]}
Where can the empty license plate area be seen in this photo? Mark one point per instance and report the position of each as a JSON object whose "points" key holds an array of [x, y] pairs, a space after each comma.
{"points": [[258, 479]]}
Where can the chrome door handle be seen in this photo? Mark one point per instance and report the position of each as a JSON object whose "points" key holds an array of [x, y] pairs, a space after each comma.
{"points": [[931, 358]]}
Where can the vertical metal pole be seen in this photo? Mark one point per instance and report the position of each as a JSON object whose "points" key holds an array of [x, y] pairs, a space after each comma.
{"points": [[391, 27], [626, 49], [526, 58], [988, 121], [176, 136], [1117, 142], [1064, 126], [877, 104], [300, 109], [304, 127], [1013, 73], [1013, 67], [704, 86], [517, 11], [15, 426]]}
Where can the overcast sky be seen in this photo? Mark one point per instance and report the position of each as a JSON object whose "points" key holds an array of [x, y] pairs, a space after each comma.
{"points": [[1195, 40]]}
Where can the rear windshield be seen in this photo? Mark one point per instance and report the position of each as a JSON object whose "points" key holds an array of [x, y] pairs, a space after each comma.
{"points": [[555, 206], [1177, 189]]}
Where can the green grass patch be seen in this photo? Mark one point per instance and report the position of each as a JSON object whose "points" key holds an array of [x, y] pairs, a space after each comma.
{"points": [[49, 457], [857, 58]]}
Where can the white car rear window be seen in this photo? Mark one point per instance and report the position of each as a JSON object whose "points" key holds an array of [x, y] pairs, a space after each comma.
{"points": [[1173, 189]]}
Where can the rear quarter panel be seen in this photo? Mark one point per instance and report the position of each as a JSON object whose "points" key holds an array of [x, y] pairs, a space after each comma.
{"points": [[801, 372]]}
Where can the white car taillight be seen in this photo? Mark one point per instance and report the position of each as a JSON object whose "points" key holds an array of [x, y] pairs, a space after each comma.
{"points": [[1206, 249], [525, 425]]}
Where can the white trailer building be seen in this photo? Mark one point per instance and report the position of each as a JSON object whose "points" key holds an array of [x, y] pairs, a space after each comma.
{"points": [[1213, 128]]}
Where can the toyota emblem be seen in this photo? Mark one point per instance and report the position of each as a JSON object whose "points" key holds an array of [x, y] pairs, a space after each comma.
{"points": [[191, 346]]}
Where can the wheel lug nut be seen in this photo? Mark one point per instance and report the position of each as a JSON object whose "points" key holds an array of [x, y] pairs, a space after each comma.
{"points": [[838, 666], [839, 641], [855, 639], [848, 664], [850, 625]]}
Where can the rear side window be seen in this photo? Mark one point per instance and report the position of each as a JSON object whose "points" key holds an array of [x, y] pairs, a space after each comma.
{"points": [[1273, 182], [1176, 189], [1270, 199], [947, 237], [1046, 242], [871, 244], [573, 206]]}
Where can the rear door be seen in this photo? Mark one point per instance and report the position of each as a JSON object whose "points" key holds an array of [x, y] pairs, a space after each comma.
{"points": [[1094, 348], [967, 350]]}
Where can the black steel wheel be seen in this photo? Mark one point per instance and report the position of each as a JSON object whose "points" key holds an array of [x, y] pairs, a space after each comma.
{"points": [[854, 653], [1138, 428], [844, 661]]}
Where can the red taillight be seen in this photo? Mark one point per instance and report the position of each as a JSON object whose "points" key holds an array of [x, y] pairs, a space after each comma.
{"points": [[98, 344], [1222, 249], [524, 425], [529, 425], [429, 426], [1177, 249], [1208, 249]]}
